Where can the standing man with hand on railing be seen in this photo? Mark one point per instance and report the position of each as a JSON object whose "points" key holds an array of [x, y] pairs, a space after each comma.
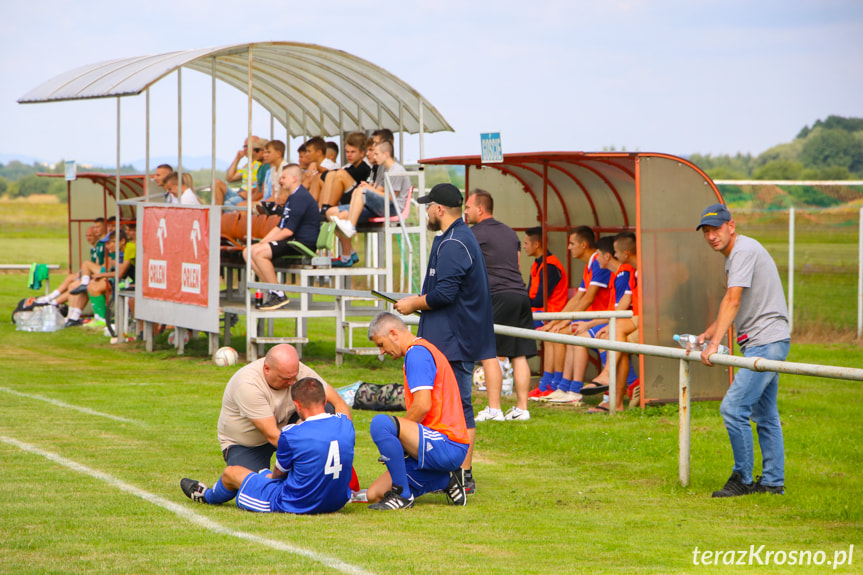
{"points": [[755, 303]]}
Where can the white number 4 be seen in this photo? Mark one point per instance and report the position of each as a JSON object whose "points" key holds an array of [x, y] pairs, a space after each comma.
{"points": [[334, 462]]}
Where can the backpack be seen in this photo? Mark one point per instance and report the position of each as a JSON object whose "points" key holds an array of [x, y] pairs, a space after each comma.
{"points": [[389, 397]]}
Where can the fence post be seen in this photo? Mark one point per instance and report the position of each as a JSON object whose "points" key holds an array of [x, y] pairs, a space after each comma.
{"points": [[860, 277], [683, 427], [611, 360], [791, 270]]}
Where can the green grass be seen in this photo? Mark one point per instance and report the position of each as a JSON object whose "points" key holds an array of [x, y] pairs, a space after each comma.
{"points": [[566, 492]]}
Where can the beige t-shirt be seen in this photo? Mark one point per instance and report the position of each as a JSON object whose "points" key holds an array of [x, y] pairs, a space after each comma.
{"points": [[248, 396]]}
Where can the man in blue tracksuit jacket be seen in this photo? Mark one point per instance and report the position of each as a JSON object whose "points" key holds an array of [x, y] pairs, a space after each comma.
{"points": [[457, 316]]}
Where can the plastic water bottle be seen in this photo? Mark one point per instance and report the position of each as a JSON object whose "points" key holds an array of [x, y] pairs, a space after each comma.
{"points": [[690, 342]]}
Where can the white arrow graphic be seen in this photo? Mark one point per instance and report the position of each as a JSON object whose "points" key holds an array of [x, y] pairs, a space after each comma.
{"points": [[195, 236], [162, 233]]}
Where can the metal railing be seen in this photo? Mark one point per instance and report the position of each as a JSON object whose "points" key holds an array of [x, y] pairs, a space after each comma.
{"points": [[685, 356]]}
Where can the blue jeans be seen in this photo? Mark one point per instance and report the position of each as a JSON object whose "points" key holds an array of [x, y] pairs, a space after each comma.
{"points": [[463, 371], [753, 395]]}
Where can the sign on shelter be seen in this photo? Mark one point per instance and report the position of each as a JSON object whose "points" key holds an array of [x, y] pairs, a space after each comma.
{"points": [[492, 151]]}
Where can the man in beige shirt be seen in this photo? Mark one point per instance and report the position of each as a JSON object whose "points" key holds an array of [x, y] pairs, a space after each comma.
{"points": [[257, 404]]}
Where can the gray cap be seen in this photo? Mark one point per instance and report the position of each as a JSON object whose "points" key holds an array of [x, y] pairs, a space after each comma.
{"points": [[714, 216]]}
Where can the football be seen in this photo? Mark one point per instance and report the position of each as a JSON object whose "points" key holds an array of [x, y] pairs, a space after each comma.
{"points": [[225, 356]]}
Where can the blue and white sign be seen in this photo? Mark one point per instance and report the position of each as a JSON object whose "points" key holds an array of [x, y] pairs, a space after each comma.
{"points": [[492, 151], [71, 171]]}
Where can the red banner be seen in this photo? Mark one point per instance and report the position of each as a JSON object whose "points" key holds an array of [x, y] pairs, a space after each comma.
{"points": [[176, 254]]}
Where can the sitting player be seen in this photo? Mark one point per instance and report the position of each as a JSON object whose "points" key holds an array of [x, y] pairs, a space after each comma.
{"points": [[577, 356], [423, 450], [313, 463], [338, 184], [627, 329]]}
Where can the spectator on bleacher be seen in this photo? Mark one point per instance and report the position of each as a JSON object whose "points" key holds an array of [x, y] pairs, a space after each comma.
{"points": [[300, 222], [188, 198], [368, 201], [592, 295], [272, 196], [161, 172], [339, 184], [333, 153], [316, 153], [257, 404], [378, 136], [224, 194], [545, 264], [510, 303], [303, 157]]}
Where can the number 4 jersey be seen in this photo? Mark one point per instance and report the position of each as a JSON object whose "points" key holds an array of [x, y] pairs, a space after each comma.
{"points": [[318, 455]]}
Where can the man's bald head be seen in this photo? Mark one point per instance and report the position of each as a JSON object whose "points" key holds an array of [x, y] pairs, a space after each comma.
{"points": [[281, 366]]}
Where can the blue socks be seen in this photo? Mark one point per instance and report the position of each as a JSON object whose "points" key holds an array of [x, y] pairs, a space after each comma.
{"points": [[545, 380], [565, 385], [385, 435], [219, 494], [555, 382], [576, 386]]}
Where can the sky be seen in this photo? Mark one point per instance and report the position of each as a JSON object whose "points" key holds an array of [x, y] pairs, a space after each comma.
{"points": [[672, 76]]}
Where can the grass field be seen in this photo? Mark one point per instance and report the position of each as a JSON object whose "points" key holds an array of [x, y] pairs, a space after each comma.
{"points": [[94, 439]]}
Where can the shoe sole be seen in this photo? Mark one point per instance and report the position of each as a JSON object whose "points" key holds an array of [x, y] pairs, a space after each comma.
{"points": [[275, 307]]}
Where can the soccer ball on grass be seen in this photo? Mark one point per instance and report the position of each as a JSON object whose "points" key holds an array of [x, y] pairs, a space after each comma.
{"points": [[225, 356]]}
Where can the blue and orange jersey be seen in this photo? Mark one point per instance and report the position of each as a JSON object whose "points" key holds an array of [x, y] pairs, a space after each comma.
{"points": [[620, 285], [558, 292], [633, 290], [595, 275], [446, 414]]}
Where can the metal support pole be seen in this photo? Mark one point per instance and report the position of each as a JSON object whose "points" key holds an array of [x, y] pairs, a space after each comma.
{"points": [[251, 324], [146, 142], [791, 270], [179, 133], [683, 427], [213, 136], [860, 278], [117, 198], [611, 359]]}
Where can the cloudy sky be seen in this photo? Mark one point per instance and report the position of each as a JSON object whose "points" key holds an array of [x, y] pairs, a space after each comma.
{"points": [[670, 76]]}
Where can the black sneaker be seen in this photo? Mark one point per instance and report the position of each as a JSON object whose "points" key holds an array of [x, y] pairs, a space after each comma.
{"points": [[469, 483], [393, 500], [275, 302], [80, 289], [194, 490], [74, 323], [735, 487], [773, 489], [455, 490]]}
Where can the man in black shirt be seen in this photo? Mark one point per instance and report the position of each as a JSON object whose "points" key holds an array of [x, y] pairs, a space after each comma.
{"points": [[500, 248]]}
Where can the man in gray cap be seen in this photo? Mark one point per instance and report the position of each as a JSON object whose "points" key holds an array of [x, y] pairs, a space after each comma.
{"points": [[755, 304], [456, 301]]}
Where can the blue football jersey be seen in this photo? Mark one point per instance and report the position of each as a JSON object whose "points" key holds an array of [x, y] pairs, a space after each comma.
{"points": [[318, 455]]}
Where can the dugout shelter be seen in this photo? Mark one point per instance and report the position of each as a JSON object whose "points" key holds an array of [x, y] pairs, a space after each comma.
{"points": [[660, 197]]}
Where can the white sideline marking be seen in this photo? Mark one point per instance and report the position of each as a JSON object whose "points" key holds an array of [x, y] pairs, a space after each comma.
{"points": [[59, 403], [184, 512]]}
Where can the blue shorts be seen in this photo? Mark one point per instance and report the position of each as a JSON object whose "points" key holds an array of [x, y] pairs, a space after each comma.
{"points": [[257, 492], [437, 456]]}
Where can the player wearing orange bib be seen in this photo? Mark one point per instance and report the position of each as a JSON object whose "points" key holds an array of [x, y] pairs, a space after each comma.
{"points": [[423, 451]]}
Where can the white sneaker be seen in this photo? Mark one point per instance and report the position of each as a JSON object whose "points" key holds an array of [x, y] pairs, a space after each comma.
{"points": [[516, 414], [569, 397], [555, 395], [347, 228], [489, 414]]}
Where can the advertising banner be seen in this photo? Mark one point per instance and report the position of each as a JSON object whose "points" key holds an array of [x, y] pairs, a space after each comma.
{"points": [[176, 255]]}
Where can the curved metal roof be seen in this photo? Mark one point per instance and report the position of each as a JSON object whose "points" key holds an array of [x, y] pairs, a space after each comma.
{"points": [[308, 88]]}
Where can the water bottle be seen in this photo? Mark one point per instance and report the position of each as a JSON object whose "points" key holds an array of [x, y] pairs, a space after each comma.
{"points": [[259, 299], [690, 342], [49, 320]]}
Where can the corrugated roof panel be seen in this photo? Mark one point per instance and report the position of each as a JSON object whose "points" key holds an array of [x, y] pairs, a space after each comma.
{"points": [[305, 80]]}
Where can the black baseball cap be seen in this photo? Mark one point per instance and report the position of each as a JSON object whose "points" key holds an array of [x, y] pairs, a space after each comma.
{"points": [[444, 194], [714, 216]]}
